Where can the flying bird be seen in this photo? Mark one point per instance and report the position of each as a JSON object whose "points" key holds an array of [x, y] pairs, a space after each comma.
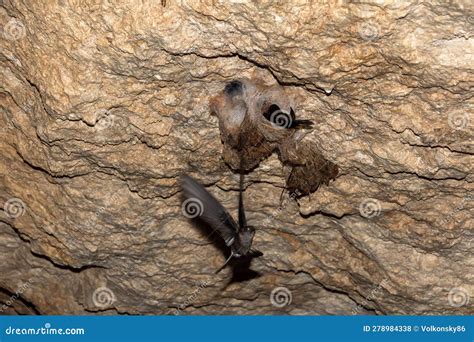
{"points": [[201, 204], [255, 120]]}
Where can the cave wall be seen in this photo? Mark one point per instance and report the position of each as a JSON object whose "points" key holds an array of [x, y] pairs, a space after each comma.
{"points": [[103, 106]]}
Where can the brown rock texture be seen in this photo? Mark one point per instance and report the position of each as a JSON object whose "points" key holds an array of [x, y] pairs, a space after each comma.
{"points": [[103, 106]]}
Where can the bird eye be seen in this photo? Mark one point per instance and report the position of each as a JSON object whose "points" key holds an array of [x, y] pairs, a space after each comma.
{"points": [[233, 88]]}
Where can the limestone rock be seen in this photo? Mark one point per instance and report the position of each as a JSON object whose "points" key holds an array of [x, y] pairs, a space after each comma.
{"points": [[103, 106]]}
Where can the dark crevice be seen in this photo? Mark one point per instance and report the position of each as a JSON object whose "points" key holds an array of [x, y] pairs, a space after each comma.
{"points": [[300, 84], [426, 177], [70, 268], [42, 102], [45, 257], [20, 235], [412, 173], [18, 297], [306, 85], [46, 172], [115, 310]]}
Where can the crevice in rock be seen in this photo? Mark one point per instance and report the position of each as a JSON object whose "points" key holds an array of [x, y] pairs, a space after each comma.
{"points": [[69, 268], [29, 305]]}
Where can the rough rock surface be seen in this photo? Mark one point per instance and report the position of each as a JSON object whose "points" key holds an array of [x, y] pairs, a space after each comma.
{"points": [[103, 106]]}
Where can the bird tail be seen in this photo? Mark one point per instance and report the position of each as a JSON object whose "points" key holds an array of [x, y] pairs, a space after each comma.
{"points": [[302, 123]]}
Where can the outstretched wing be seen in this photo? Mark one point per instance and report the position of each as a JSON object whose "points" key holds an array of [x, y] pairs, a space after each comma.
{"points": [[199, 203]]}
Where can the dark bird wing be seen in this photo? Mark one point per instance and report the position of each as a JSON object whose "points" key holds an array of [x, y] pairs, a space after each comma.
{"points": [[284, 119], [299, 123], [209, 209]]}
